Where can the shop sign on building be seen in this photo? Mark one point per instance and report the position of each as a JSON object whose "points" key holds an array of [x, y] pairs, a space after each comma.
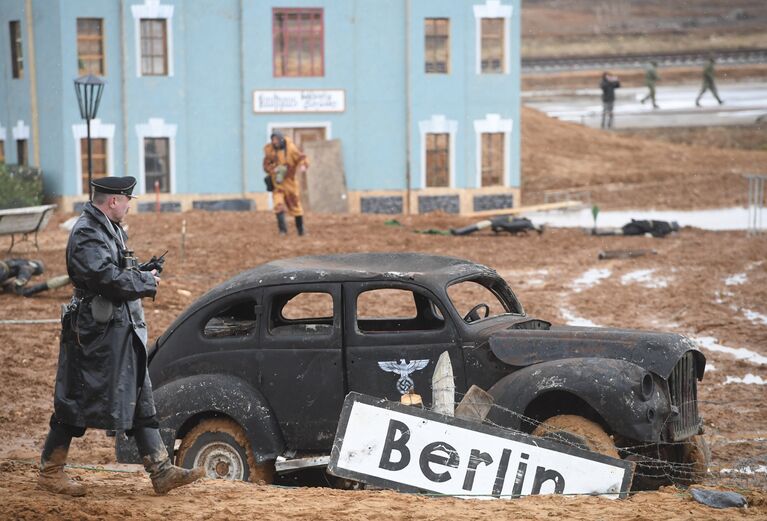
{"points": [[391, 445], [307, 100]]}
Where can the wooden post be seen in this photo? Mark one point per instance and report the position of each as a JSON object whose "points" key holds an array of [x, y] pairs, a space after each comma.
{"points": [[475, 405], [443, 386]]}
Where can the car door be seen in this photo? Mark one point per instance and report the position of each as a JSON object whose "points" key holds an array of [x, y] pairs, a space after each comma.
{"points": [[394, 333], [301, 367]]}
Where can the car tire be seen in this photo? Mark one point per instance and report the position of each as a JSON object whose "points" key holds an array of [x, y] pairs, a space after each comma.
{"points": [[577, 431], [219, 445]]}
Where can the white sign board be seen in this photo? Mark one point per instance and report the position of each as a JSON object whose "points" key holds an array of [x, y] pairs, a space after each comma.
{"points": [[395, 446], [310, 100]]}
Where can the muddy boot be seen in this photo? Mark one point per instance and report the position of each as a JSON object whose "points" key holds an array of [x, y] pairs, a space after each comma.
{"points": [[165, 475], [281, 226], [52, 477], [300, 224]]}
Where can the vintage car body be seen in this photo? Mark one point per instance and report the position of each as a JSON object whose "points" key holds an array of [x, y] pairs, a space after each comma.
{"points": [[234, 354]]}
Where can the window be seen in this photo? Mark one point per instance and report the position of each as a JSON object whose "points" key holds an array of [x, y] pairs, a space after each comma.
{"points": [[154, 47], [492, 45], [98, 159], [393, 309], [2, 151], [437, 160], [482, 297], [492, 158], [17, 58], [298, 42], [21, 152], [90, 46], [157, 163], [437, 45], [303, 313], [236, 320]]}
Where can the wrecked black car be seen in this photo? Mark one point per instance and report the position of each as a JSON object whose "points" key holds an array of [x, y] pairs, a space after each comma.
{"points": [[255, 372]]}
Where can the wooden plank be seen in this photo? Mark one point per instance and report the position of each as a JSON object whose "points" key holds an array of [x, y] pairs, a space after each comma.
{"points": [[563, 205], [475, 406]]}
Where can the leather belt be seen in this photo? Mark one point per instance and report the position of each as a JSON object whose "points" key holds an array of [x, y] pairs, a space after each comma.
{"points": [[82, 293]]}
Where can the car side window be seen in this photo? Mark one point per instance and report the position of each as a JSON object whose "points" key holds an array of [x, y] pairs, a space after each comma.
{"points": [[396, 310], [237, 320], [301, 313]]}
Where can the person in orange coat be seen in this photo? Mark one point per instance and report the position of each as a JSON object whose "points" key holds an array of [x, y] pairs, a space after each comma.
{"points": [[282, 160]]}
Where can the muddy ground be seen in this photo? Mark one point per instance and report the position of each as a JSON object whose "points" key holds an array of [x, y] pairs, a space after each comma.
{"points": [[690, 290], [590, 27], [709, 285]]}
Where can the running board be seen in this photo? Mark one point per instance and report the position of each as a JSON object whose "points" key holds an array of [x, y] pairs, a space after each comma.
{"points": [[287, 465]]}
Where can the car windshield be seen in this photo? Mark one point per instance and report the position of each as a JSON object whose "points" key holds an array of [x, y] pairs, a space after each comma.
{"points": [[483, 297]]}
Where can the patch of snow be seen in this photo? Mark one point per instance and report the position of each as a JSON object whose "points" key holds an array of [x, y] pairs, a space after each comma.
{"points": [[755, 317], [571, 319], [718, 219], [741, 353], [761, 469], [590, 278], [645, 278], [749, 379], [710, 367], [736, 280]]}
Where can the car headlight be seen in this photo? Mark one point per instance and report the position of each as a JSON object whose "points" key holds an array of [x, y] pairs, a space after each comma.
{"points": [[647, 387]]}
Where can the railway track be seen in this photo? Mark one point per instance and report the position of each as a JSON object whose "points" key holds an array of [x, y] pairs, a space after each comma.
{"points": [[631, 61]]}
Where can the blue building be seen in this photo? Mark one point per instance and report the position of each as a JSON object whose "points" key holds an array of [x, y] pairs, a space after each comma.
{"points": [[423, 95]]}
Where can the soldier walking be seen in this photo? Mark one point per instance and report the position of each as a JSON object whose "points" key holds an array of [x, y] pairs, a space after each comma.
{"points": [[608, 85], [102, 381], [650, 79], [708, 82], [282, 160]]}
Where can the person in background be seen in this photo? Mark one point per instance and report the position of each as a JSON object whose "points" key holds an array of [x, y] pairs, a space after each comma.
{"points": [[102, 381], [608, 85], [282, 160], [650, 79], [708, 82]]}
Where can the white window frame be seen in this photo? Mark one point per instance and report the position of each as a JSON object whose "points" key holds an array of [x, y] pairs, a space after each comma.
{"points": [[154, 128], [327, 125], [493, 9], [19, 132], [98, 131], [438, 124], [493, 123], [153, 9]]}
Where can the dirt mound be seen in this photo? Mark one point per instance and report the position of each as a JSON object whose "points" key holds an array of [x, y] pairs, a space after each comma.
{"points": [[629, 172]]}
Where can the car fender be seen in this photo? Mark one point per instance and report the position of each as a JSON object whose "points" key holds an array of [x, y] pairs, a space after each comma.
{"points": [[181, 400], [612, 388]]}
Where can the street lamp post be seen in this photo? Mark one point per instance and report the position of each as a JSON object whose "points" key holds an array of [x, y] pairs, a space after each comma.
{"points": [[88, 89]]}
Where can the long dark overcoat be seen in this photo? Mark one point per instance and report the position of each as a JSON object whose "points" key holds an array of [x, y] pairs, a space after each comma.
{"points": [[102, 366]]}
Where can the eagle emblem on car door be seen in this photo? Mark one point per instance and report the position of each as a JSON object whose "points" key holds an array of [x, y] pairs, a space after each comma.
{"points": [[403, 369]]}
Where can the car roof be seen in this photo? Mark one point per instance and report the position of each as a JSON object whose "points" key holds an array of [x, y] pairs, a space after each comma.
{"points": [[429, 269]]}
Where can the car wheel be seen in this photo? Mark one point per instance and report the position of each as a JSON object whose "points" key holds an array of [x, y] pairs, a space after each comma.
{"points": [[577, 431], [220, 446]]}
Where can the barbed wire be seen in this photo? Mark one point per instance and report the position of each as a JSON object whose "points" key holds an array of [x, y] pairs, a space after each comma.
{"points": [[658, 468]]}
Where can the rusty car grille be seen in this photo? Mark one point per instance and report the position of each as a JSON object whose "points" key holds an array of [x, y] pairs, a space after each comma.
{"points": [[684, 395]]}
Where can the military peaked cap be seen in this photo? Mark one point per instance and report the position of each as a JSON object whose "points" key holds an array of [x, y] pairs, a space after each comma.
{"points": [[115, 185]]}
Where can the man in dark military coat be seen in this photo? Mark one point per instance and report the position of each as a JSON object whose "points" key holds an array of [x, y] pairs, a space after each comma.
{"points": [[102, 380]]}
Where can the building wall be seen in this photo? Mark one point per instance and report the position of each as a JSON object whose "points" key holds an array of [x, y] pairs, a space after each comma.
{"points": [[221, 52], [14, 92]]}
